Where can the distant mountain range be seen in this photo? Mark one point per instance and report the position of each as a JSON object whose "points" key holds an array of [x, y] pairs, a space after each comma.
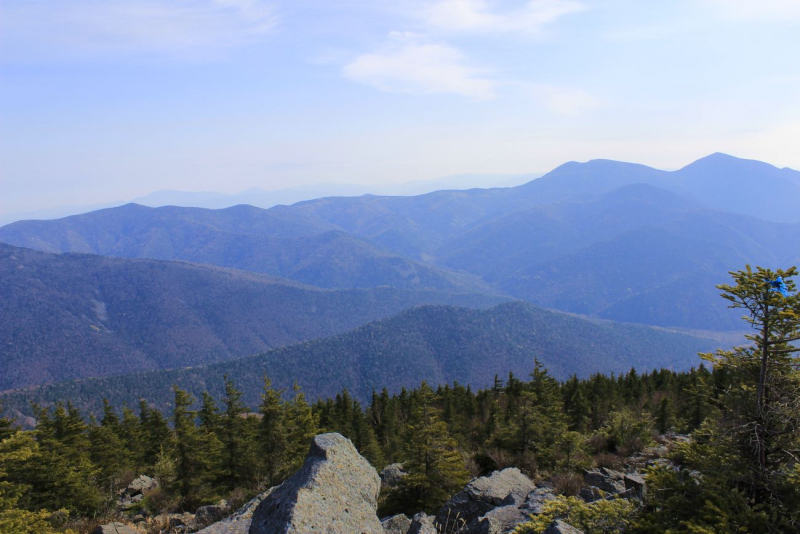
{"points": [[266, 198], [607, 239], [440, 344], [66, 316]]}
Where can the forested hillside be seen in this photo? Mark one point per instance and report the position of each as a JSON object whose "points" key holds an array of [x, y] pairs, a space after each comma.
{"points": [[441, 344], [78, 315]]}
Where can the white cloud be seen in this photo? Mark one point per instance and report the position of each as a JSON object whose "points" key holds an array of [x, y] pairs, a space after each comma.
{"points": [[97, 27], [476, 15], [406, 64], [773, 10], [564, 100]]}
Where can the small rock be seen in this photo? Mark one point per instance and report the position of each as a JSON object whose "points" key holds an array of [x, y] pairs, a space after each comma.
{"points": [[391, 475], [114, 528], [238, 522], [210, 513], [591, 494], [140, 485], [422, 523], [498, 521], [607, 480], [559, 527], [636, 482], [396, 524], [534, 502]]}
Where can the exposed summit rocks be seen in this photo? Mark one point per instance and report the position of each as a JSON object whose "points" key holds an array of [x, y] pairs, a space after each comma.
{"points": [[335, 491]]}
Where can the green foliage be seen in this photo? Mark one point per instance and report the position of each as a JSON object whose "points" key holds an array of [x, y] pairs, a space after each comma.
{"points": [[450, 344], [603, 516], [744, 454], [433, 461]]}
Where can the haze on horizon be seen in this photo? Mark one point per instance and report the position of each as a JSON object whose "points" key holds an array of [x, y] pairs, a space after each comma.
{"points": [[103, 101]]}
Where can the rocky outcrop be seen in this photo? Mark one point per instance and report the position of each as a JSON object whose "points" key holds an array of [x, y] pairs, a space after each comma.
{"points": [[335, 491], [506, 487], [396, 524], [114, 528]]}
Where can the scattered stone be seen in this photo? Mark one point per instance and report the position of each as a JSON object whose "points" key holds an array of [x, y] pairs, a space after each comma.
{"points": [[422, 523], [140, 485], [391, 475], [559, 527], [396, 524], [335, 491], [238, 522], [501, 488], [498, 521], [635, 482], [591, 494], [534, 502], [210, 513], [114, 528], [608, 480]]}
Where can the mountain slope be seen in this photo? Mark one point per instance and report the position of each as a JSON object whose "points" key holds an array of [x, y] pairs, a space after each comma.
{"points": [[588, 256], [439, 344], [76, 315], [274, 242]]}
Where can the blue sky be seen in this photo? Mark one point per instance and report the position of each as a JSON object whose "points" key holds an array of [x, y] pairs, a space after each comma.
{"points": [[105, 100]]}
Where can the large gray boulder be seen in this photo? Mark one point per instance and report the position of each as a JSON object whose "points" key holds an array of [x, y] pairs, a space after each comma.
{"points": [[335, 491], [396, 524], [501, 488]]}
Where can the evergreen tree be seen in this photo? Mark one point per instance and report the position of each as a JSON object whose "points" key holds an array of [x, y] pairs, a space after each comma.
{"points": [[434, 464], [197, 452], [302, 427], [235, 437], [762, 411], [274, 435]]}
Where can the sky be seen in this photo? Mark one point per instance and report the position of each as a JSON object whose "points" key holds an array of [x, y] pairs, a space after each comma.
{"points": [[109, 100]]}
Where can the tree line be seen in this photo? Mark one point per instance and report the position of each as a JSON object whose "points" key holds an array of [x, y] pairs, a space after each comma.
{"points": [[739, 472]]}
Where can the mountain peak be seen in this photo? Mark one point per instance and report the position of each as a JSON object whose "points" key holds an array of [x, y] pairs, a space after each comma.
{"points": [[726, 162]]}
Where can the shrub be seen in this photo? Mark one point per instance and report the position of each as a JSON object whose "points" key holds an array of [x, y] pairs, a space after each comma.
{"points": [[606, 517]]}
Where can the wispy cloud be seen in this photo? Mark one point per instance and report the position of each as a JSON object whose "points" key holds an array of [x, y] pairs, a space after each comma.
{"points": [[408, 64], [772, 10], [478, 15], [97, 27]]}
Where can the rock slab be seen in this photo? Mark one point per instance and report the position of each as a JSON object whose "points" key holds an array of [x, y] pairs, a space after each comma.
{"points": [[501, 488], [335, 491]]}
